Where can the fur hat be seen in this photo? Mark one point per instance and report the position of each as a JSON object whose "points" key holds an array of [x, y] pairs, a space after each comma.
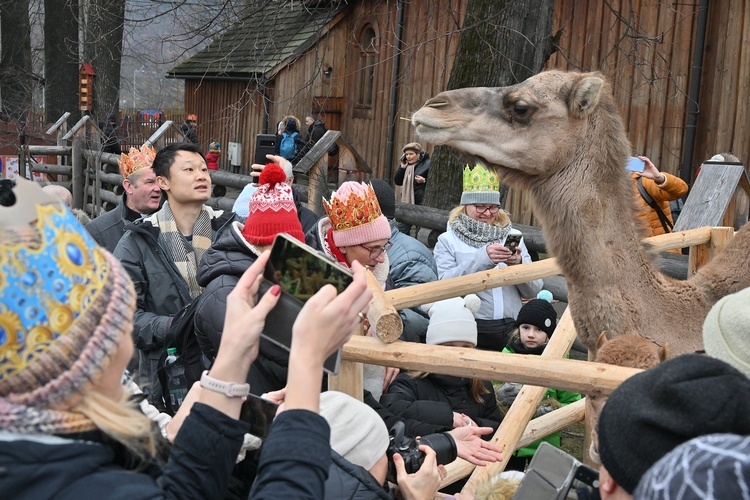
{"points": [[386, 197], [412, 146], [272, 209], [65, 305], [135, 160], [539, 313], [726, 328], [480, 186], [355, 215], [712, 466], [452, 320], [654, 411], [357, 432]]}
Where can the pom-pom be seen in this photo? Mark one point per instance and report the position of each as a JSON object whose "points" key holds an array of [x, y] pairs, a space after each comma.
{"points": [[271, 175], [473, 303], [545, 295]]}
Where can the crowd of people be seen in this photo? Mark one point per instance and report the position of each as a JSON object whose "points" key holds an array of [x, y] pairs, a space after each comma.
{"points": [[87, 314]]}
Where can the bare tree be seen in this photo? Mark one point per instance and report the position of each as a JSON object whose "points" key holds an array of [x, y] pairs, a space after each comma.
{"points": [[502, 43], [15, 59]]}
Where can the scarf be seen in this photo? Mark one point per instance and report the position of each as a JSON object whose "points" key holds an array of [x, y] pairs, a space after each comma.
{"points": [[517, 347], [186, 256], [407, 188], [25, 419], [478, 234]]}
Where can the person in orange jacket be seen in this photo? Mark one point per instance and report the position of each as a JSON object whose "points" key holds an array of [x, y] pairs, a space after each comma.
{"points": [[662, 188]]}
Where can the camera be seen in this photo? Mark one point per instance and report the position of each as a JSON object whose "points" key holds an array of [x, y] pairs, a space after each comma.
{"points": [[408, 448]]}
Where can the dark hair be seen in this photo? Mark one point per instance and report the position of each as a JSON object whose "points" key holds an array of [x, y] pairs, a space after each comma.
{"points": [[165, 158]]}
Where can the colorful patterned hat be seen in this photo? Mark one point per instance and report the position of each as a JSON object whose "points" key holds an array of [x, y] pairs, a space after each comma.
{"points": [[65, 305], [135, 160], [480, 186], [355, 215]]}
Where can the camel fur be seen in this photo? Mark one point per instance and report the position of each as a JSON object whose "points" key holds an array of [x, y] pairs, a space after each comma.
{"points": [[559, 136]]}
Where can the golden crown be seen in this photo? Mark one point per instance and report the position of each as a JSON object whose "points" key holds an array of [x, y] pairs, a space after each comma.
{"points": [[358, 207], [136, 159], [480, 179]]}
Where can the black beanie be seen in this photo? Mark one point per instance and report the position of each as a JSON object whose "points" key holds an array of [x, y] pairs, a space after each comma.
{"points": [[540, 313], [655, 411], [386, 197]]}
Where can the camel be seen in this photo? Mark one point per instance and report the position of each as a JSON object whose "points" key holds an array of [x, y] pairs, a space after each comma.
{"points": [[559, 136]]}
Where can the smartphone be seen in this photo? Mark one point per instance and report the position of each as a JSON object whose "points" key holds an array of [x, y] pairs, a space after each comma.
{"points": [[512, 241], [635, 164], [403, 158], [300, 271], [552, 473], [259, 413]]}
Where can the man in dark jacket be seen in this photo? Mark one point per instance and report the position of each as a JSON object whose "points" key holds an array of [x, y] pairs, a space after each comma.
{"points": [[141, 197], [315, 130], [161, 254]]}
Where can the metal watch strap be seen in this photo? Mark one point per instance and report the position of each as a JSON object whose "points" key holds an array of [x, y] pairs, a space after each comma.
{"points": [[229, 389]]}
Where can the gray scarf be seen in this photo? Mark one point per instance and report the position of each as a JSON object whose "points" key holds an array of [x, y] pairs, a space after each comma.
{"points": [[478, 234]]}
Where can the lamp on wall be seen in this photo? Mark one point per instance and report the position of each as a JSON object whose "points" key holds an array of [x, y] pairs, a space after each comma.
{"points": [[328, 71]]}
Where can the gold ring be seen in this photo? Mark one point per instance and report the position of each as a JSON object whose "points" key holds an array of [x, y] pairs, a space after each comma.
{"points": [[362, 317]]}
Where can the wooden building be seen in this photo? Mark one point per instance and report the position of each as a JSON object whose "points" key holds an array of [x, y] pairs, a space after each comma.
{"points": [[362, 65]]}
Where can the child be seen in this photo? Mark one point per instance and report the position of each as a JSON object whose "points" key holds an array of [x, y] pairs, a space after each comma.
{"points": [[212, 157], [533, 328]]}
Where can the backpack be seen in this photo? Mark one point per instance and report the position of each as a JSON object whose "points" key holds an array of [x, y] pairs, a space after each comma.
{"points": [[181, 335], [288, 147]]}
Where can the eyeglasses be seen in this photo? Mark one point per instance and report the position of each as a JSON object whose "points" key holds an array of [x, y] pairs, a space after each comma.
{"points": [[376, 251], [493, 209]]}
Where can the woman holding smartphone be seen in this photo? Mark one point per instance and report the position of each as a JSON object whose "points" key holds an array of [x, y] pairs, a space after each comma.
{"points": [[474, 241]]}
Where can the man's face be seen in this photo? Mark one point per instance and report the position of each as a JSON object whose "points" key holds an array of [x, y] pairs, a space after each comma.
{"points": [[309, 121], [144, 194], [188, 181]]}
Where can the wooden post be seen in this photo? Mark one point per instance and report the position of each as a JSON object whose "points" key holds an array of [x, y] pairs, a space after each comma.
{"points": [[318, 185], [349, 380], [382, 316], [79, 193], [700, 255]]}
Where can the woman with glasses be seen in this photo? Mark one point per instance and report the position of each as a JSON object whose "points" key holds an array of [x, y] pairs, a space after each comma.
{"points": [[475, 241]]}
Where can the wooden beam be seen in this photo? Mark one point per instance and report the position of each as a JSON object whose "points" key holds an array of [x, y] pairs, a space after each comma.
{"points": [[49, 150], [382, 316]]}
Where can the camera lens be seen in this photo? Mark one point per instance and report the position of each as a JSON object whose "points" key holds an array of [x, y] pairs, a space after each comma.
{"points": [[444, 446]]}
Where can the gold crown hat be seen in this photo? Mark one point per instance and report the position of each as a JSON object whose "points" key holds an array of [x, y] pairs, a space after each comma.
{"points": [[480, 186], [65, 306], [355, 215], [136, 159]]}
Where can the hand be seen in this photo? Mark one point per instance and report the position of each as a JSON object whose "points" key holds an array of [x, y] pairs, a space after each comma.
{"points": [[390, 375], [420, 179], [651, 172], [472, 448], [507, 393], [543, 410], [468, 422], [275, 396], [515, 258], [498, 253], [423, 484], [257, 168]]}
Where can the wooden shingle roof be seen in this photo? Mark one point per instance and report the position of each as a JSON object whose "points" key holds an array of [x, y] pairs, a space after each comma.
{"points": [[266, 39]]}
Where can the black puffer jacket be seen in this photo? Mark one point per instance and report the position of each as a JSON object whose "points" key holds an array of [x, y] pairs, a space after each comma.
{"points": [[433, 400], [347, 481], [219, 271]]}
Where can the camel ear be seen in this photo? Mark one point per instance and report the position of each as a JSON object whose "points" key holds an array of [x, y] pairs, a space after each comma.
{"points": [[664, 353], [584, 96], [601, 340]]}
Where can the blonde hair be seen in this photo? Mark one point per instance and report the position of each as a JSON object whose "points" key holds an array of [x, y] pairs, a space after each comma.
{"points": [[502, 218], [120, 420], [477, 385]]}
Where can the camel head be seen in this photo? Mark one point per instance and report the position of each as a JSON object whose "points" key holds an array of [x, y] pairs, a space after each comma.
{"points": [[525, 131]]}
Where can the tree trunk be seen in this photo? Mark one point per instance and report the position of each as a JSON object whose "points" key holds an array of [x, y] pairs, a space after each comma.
{"points": [[503, 42], [102, 48], [15, 60], [61, 59]]}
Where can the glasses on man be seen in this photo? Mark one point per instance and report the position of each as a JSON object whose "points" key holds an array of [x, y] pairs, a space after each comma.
{"points": [[493, 209], [376, 251]]}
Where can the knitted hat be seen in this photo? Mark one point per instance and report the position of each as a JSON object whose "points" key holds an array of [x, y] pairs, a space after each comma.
{"points": [[355, 215], [272, 209], [412, 146], [712, 466], [357, 432], [726, 328], [452, 320], [214, 146], [386, 197], [135, 160], [654, 411], [480, 186], [539, 313], [65, 305]]}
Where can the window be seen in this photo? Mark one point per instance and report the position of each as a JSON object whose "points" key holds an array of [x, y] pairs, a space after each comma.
{"points": [[368, 51]]}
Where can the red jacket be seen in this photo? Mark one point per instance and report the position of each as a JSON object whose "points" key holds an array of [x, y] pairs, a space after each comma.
{"points": [[212, 160]]}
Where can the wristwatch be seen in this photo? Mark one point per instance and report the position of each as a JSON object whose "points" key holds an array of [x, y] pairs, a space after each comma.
{"points": [[229, 389]]}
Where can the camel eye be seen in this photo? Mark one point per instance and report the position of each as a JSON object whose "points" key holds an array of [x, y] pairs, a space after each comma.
{"points": [[520, 109]]}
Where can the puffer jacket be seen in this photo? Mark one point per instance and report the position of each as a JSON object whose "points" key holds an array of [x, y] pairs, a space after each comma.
{"points": [[421, 168], [672, 189], [108, 228], [347, 481], [161, 292], [434, 398], [219, 271]]}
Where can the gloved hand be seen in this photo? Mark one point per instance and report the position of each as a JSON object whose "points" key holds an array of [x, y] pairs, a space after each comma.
{"points": [[543, 410], [507, 393]]}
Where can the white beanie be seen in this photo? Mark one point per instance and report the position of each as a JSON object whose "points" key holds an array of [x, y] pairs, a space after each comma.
{"points": [[452, 320], [726, 328], [357, 432]]}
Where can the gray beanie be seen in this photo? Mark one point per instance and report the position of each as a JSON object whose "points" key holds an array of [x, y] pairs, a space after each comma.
{"points": [[726, 328], [357, 432]]}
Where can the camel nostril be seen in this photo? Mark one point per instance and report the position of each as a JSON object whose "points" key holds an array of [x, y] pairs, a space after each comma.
{"points": [[436, 103]]}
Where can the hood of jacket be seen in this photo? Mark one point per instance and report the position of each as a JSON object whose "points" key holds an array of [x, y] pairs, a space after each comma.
{"points": [[346, 480], [230, 254]]}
